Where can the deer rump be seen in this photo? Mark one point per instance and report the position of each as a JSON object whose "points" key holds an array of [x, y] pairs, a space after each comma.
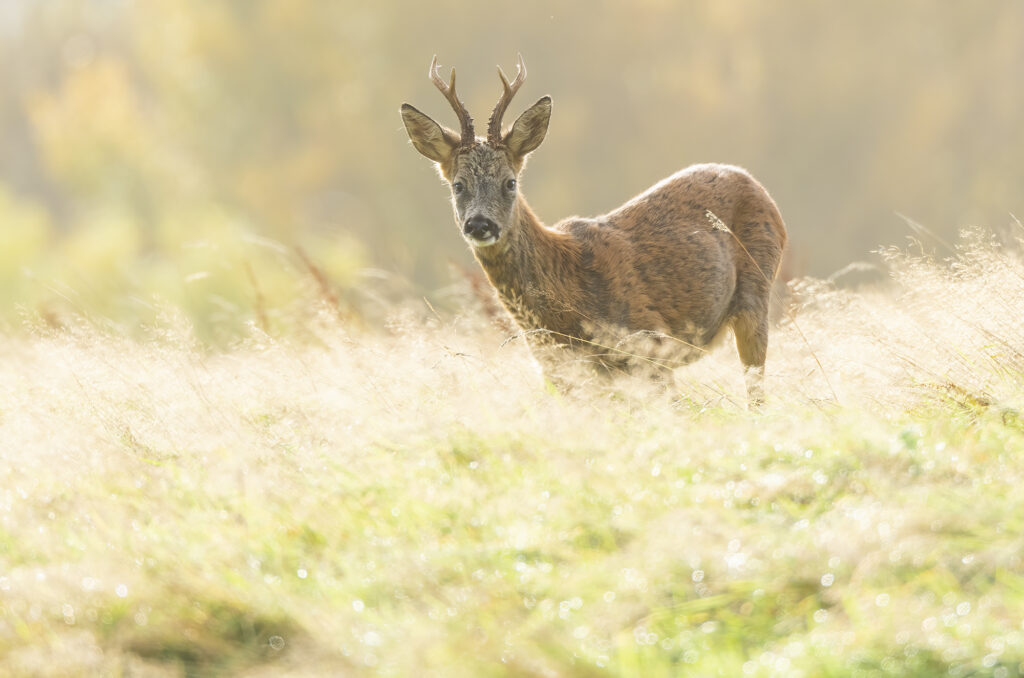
{"points": [[649, 284]]}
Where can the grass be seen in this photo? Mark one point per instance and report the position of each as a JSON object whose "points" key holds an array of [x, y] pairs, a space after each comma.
{"points": [[414, 502]]}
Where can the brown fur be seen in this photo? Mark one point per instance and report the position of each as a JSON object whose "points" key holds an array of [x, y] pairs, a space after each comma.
{"points": [[652, 282]]}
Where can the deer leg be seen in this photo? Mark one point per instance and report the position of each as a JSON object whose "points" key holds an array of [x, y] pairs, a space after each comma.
{"points": [[751, 331], [650, 353], [564, 370]]}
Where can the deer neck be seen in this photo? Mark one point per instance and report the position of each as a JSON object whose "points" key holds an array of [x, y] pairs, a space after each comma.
{"points": [[532, 270]]}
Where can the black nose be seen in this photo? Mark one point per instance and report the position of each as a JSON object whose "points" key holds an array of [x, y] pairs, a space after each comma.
{"points": [[480, 227]]}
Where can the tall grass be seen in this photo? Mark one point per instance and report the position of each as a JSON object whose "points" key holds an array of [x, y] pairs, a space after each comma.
{"points": [[414, 501]]}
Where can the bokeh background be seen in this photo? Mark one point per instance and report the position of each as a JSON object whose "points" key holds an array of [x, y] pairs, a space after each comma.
{"points": [[190, 154]]}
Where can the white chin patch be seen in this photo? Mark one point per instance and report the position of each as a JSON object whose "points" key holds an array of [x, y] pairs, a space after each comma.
{"points": [[486, 242]]}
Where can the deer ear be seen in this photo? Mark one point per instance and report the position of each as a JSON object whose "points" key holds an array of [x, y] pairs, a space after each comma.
{"points": [[427, 136], [529, 128]]}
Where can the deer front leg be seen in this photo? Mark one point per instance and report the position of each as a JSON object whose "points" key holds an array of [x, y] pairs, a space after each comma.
{"points": [[558, 364], [648, 353]]}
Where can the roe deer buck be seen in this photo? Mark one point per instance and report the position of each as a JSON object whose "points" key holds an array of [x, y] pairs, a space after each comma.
{"points": [[652, 282]]}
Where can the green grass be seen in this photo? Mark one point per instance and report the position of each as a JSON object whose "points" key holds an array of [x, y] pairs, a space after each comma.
{"points": [[415, 502]]}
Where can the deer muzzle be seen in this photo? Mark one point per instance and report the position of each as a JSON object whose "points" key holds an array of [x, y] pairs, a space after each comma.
{"points": [[480, 230]]}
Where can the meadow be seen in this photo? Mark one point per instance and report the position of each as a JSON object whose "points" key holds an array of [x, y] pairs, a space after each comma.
{"points": [[411, 499]]}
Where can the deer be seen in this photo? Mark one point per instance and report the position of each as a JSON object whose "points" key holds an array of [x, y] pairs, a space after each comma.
{"points": [[652, 284]]}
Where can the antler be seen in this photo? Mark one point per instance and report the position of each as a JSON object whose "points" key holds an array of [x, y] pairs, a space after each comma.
{"points": [[494, 124], [468, 136]]}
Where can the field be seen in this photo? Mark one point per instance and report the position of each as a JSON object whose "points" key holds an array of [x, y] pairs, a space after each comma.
{"points": [[413, 500]]}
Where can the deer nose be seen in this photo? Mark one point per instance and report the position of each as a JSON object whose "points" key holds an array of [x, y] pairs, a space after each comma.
{"points": [[479, 227]]}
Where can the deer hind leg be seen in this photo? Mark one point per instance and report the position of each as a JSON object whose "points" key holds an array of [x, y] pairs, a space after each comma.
{"points": [[751, 329]]}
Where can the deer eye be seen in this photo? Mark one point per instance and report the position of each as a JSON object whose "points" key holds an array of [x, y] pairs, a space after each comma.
{"points": [[510, 185], [458, 187]]}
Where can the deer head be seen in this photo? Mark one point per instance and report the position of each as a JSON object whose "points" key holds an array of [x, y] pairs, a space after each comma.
{"points": [[483, 174]]}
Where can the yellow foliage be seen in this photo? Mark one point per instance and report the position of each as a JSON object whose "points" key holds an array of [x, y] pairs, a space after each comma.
{"points": [[104, 244], [91, 131], [27, 232]]}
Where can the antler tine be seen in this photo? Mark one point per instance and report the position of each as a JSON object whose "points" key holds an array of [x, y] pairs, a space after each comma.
{"points": [[465, 121], [494, 124]]}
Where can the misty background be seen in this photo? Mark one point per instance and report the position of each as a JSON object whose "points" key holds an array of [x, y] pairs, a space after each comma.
{"points": [[180, 152]]}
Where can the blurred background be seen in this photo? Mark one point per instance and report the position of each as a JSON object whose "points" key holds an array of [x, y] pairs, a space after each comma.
{"points": [[188, 153]]}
